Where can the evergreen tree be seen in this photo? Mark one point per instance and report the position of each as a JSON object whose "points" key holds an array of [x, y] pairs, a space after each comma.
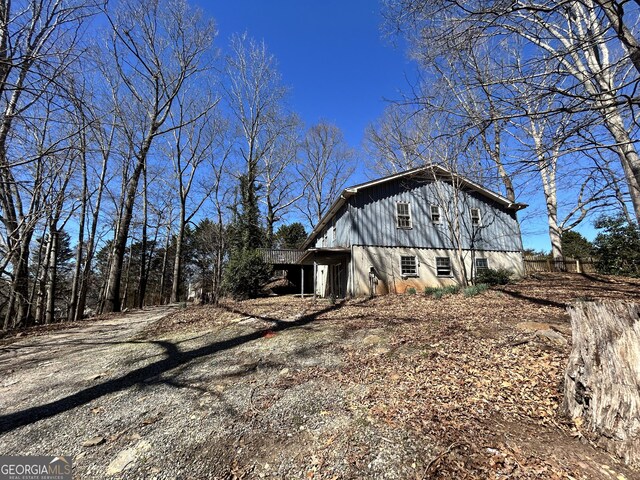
{"points": [[290, 236], [574, 245], [246, 271], [618, 247]]}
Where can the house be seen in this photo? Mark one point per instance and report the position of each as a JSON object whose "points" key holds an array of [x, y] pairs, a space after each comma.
{"points": [[422, 227]]}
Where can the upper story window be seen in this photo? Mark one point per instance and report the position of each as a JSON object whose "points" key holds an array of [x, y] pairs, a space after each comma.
{"points": [[482, 264], [408, 266], [435, 213], [443, 266], [333, 230], [403, 215], [476, 221]]}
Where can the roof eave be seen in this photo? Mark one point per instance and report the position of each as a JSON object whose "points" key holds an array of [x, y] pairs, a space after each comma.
{"points": [[337, 204]]}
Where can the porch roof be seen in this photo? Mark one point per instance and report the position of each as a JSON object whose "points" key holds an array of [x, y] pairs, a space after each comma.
{"points": [[325, 255]]}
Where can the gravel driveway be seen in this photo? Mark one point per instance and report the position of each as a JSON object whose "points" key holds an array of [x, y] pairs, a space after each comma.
{"points": [[237, 400]]}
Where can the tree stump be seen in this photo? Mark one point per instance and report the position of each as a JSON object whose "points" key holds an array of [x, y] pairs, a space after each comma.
{"points": [[602, 380]]}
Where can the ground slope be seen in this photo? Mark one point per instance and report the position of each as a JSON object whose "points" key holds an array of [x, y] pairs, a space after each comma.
{"points": [[392, 387]]}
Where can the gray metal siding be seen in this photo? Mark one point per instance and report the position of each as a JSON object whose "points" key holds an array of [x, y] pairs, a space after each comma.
{"points": [[343, 231], [373, 222]]}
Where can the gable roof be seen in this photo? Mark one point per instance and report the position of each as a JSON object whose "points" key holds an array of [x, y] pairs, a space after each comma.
{"points": [[436, 170]]}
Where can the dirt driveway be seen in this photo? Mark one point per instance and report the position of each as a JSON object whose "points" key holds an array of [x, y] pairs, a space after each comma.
{"points": [[130, 400], [394, 387]]}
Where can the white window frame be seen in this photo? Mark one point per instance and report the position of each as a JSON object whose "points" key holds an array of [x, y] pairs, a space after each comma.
{"points": [[486, 261], [438, 213], [408, 214], [416, 266], [475, 223], [450, 273]]}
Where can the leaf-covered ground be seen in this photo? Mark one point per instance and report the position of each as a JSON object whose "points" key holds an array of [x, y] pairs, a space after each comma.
{"points": [[469, 375], [282, 387]]}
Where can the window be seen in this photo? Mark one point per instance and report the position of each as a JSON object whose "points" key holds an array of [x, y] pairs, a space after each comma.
{"points": [[333, 230], [403, 215], [435, 213], [475, 217], [481, 264], [443, 266], [408, 266]]}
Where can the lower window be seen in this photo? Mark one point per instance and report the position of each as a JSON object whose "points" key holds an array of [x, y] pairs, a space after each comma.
{"points": [[443, 266], [408, 266], [481, 264]]}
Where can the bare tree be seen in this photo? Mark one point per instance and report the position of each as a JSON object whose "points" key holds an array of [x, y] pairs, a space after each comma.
{"points": [[395, 142], [279, 179], [327, 164], [155, 48], [256, 99], [38, 41], [191, 145], [615, 12], [571, 39]]}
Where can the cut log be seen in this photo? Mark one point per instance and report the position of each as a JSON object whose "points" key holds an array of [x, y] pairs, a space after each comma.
{"points": [[602, 380]]}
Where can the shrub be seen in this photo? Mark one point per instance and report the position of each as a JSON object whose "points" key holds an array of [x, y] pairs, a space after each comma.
{"points": [[451, 289], [489, 276], [618, 247], [411, 291], [474, 290], [439, 292], [245, 273]]}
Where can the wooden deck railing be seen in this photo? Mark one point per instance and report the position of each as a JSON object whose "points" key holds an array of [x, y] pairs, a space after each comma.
{"points": [[545, 264]]}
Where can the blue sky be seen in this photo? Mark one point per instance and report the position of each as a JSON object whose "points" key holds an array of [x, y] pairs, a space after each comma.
{"points": [[330, 53], [332, 56]]}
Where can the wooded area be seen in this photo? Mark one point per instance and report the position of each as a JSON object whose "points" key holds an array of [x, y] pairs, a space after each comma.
{"points": [[131, 154], [136, 159]]}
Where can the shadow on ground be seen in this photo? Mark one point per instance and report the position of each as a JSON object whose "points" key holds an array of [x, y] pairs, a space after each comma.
{"points": [[173, 358]]}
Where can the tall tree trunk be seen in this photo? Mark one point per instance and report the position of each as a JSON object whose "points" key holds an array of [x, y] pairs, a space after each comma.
{"points": [[125, 295], [37, 274], [42, 281], [53, 275], [628, 155], [86, 270], [271, 220], [555, 235], [112, 301], [177, 264], [75, 285], [219, 259], [165, 262], [142, 280], [615, 13]]}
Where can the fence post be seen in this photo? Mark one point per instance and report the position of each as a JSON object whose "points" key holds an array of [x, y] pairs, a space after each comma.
{"points": [[549, 267], [578, 266]]}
